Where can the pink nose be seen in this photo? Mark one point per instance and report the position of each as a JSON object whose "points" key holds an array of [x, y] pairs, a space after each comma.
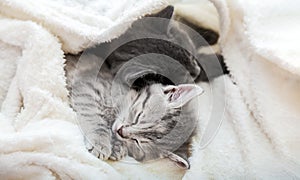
{"points": [[120, 132]]}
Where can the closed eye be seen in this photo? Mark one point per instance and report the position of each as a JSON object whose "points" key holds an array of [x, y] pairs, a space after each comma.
{"points": [[170, 93], [136, 141]]}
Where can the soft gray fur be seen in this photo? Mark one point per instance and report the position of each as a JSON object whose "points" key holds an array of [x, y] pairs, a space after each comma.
{"points": [[153, 122], [147, 124], [156, 121]]}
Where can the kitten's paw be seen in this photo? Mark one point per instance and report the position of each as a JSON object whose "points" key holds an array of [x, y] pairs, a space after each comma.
{"points": [[119, 151], [100, 150]]}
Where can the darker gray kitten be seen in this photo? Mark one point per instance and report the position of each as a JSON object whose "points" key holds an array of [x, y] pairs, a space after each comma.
{"points": [[156, 118]]}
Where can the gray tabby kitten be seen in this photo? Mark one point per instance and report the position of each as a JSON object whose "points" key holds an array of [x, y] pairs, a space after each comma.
{"points": [[147, 124], [157, 121], [154, 121]]}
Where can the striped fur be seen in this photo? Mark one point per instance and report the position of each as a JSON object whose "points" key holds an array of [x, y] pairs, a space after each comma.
{"points": [[144, 125], [150, 126]]}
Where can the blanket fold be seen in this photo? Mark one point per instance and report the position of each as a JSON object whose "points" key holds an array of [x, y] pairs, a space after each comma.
{"points": [[39, 135]]}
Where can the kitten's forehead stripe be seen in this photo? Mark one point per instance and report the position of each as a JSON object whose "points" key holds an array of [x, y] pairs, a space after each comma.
{"points": [[147, 96], [137, 118], [137, 97]]}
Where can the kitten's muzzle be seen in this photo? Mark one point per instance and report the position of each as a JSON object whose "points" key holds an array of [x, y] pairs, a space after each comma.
{"points": [[120, 132], [127, 132]]}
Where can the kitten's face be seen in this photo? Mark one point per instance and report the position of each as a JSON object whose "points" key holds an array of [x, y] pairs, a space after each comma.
{"points": [[148, 117]]}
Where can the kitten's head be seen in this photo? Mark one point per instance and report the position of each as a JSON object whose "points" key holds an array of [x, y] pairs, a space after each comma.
{"points": [[155, 121]]}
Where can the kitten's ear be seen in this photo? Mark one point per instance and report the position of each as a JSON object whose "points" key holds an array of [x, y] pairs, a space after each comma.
{"points": [[181, 94], [179, 161], [167, 13]]}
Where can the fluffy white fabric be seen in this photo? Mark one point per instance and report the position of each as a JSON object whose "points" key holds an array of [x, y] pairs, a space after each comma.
{"points": [[39, 136], [259, 137], [38, 132]]}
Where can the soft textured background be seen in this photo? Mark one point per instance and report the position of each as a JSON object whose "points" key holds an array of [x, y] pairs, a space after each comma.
{"points": [[259, 136]]}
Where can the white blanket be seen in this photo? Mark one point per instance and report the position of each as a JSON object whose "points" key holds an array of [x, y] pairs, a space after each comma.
{"points": [[39, 136], [260, 136]]}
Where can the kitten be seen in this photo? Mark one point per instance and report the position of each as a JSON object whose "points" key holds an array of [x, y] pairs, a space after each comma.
{"points": [[156, 118], [149, 123], [156, 121]]}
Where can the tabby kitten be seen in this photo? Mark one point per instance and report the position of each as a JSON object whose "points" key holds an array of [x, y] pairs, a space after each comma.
{"points": [[157, 121], [147, 124], [156, 118]]}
